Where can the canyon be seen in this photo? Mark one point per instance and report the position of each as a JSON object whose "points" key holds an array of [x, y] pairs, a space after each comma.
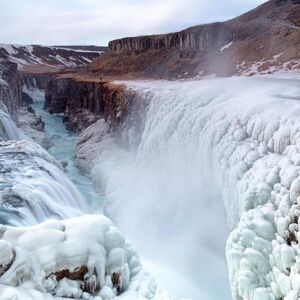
{"points": [[262, 41], [36, 189], [155, 133]]}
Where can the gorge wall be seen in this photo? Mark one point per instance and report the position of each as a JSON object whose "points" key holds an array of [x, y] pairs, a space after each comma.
{"points": [[84, 102], [202, 38], [39, 80], [34, 188], [10, 87]]}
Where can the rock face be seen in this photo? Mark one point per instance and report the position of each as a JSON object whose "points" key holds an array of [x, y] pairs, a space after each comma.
{"points": [[266, 39], [10, 87], [83, 102], [201, 38], [36, 80]]}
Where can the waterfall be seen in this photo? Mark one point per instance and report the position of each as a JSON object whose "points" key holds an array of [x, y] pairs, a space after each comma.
{"points": [[193, 173], [67, 253], [212, 165], [8, 128], [34, 186]]}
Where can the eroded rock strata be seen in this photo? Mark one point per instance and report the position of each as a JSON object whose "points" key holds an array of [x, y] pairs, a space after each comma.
{"points": [[84, 102], [10, 87]]}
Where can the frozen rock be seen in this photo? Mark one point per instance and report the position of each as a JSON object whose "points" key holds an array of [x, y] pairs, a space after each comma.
{"points": [[81, 258]]}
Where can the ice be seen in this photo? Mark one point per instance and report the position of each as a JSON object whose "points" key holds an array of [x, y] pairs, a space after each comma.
{"points": [[80, 258], [237, 137], [9, 130]]}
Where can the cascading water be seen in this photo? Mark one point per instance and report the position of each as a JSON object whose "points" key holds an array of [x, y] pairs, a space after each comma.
{"points": [[77, 258], [170, 189], [34, 186], [8, 128]]}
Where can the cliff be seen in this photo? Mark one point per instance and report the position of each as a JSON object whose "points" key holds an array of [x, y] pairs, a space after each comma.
{"points": [[84, 102], [10, 87], [200, 38], [264, 40]]}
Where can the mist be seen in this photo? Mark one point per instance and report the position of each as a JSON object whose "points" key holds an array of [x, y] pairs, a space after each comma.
{"points": [[160, 192]]}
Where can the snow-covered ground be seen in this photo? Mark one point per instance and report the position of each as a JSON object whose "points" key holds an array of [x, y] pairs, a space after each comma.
{"points": [[30, 55]]}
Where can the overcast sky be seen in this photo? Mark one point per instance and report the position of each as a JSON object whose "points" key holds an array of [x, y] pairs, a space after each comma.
{"points": [[61, 22]]}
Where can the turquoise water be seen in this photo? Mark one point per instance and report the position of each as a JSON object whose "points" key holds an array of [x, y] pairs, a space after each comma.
{"points": [[62, 148]]}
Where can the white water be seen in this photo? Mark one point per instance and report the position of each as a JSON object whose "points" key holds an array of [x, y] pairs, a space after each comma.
{"points": [[62, 148], [34, 182], [174, 257], [9, 130], [169, 191], [33, 186]]}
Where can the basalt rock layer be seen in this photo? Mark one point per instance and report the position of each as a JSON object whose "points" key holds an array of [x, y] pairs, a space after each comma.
{"points": [[84, 102], [10, 87], [263, 40]]}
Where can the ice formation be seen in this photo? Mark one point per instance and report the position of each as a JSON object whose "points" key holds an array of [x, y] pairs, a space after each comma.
{"points": [[80, 258], [240, 136]]}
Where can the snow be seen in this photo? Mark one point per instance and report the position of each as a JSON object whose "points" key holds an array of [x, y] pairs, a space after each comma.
{"points": [[91, 241], [271, 67], [226, 47], [23, 56], [11, 49], [77, 50], [85, 152]]}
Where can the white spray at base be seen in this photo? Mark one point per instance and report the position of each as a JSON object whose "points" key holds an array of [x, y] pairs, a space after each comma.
{"points": [[207, 147]]}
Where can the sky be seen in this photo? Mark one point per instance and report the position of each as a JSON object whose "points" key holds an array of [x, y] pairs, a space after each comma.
{"points": [[87, 22]]}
